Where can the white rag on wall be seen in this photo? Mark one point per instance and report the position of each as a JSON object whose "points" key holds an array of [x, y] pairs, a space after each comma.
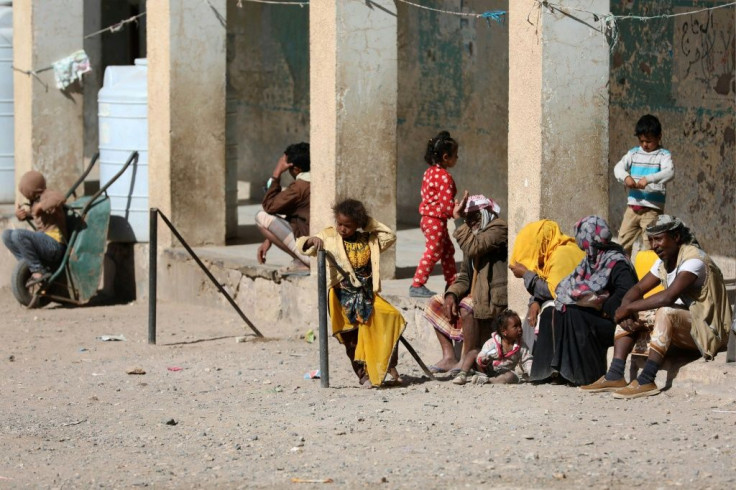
{"points": [[70, 69]]}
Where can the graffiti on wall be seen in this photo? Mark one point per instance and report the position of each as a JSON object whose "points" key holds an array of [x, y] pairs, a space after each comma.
{"points": [[705, 57]]}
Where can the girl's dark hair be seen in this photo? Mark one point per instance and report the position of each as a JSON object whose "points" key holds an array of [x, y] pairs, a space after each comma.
{"points": [[298, 155], [439, 146], [353, 209], [499, 323], [648, 124]]}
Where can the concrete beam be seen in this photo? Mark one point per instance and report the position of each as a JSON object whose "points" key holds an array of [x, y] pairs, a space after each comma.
{"points": [[186, 116], [48, 121], [558, 119], [353, 80]]}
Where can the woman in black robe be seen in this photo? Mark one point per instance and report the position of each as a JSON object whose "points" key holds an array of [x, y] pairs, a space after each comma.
{"points": [[573, 339]]}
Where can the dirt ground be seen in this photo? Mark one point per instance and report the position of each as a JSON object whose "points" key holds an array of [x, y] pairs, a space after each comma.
{"points": [[242, 415]]}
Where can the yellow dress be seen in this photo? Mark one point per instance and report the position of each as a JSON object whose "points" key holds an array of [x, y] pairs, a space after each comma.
{"points": [[379, 335]]}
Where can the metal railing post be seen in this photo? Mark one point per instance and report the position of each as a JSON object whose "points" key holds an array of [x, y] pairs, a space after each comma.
{"points": [[206, 271], [152, 272], [324, 363]]}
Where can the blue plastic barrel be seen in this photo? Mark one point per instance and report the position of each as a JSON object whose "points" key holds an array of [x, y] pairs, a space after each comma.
{"points": [[123, 128], [7, 144]]}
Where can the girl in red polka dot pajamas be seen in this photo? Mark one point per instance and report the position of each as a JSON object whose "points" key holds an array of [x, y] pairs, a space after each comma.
{"points": [[438, 199]]}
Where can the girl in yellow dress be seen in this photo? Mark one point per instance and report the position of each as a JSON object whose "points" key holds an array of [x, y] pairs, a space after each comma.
{"points": [[366, 324]]}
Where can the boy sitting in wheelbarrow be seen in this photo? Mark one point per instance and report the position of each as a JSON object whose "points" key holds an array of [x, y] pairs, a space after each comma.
{"points": [[43, 248]]}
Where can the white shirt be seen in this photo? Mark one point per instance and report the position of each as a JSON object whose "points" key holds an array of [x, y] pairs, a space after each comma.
{"points": [[695, 266]]}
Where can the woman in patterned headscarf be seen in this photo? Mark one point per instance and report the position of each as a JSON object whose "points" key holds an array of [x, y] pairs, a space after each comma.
{"points": [[574, 346]]}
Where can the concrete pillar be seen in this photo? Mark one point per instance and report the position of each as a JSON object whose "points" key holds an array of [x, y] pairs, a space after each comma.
{"points": [[186, 117], [353, 60], [48, 121], [558, 118], [93, 80]]}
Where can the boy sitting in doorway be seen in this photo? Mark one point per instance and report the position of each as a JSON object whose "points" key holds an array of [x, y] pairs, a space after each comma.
{"points": [[285, 215]]}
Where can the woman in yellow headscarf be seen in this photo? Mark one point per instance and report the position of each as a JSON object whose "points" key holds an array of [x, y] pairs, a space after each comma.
{"points": [[542, 256]]}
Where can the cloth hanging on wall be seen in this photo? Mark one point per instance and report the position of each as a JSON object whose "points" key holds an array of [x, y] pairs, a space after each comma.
{"points": [[70, 69]]}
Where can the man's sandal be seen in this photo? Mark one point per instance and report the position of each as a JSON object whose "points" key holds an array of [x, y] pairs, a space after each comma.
{"points": [[34, 279]]}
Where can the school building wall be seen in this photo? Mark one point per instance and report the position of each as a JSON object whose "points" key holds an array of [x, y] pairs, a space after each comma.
{"points": [[683, 71], [267, 84], [452, 74]]}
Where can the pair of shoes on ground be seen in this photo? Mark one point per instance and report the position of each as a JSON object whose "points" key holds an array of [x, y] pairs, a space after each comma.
{"points": [[621, 389], [420, 292]]}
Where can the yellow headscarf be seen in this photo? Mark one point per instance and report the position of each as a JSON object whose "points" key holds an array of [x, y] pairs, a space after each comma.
{"points": [[542, 248]]}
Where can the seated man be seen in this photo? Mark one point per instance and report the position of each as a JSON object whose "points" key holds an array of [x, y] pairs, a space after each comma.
{"points": [[44, 248], [479, 292], [692, 312], [292, 203]]}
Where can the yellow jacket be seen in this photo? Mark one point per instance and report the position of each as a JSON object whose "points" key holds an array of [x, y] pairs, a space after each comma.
{"points": [[381, 238]]}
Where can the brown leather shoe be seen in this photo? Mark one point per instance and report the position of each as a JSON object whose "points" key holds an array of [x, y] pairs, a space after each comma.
{"points": [[634, 390], [604, 385]]}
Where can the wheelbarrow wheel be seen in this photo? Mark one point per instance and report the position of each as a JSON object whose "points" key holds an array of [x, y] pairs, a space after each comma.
{"points": [[23, 294]]}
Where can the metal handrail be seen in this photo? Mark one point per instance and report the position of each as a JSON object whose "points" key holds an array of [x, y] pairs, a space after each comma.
{"points": [[73, 189], [152, 274], [133, 156]]}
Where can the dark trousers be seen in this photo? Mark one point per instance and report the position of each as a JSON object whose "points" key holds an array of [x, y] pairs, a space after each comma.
{"points": [[35, 247]]}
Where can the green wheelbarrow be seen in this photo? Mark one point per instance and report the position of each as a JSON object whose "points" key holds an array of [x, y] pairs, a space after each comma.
{"points": [[75, 281]]}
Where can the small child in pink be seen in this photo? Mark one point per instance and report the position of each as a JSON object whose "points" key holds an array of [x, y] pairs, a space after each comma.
{"points": [[503, 352], [438, 199]]}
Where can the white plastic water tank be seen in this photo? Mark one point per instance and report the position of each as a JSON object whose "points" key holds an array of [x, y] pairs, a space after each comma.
{"points": [[123, 128], [7, 144]]}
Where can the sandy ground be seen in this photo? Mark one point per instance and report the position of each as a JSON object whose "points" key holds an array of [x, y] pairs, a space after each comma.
{"points": [[242, 415]]}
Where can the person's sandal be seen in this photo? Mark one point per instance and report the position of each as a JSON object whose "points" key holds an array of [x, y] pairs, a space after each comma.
{"points": [[461, 378], [37, 278], [420, 292]]}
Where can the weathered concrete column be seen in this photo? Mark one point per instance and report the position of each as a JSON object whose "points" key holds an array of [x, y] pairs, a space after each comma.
{"points": [[186, 117], [48, 121], [353, 59], [558, 118]]}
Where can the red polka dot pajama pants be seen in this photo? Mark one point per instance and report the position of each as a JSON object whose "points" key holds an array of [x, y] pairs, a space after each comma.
{"points": [[439, 247]]}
